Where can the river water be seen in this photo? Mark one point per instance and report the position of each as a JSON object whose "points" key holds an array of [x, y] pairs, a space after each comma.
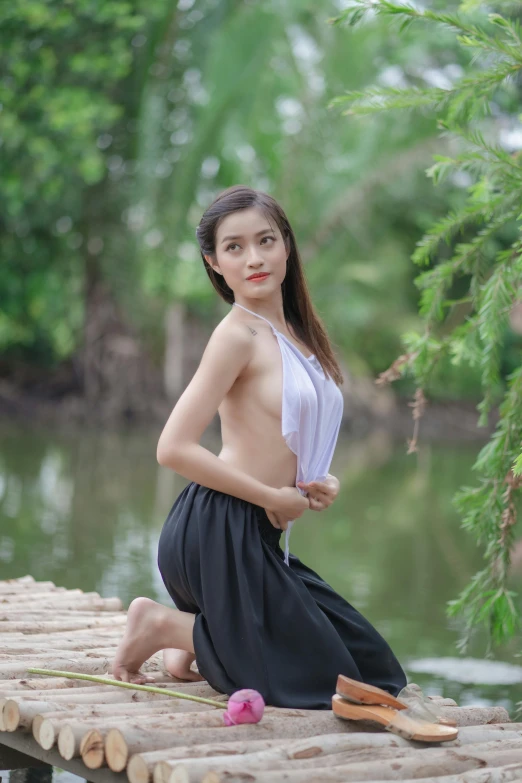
{"points": [[85, 509]]}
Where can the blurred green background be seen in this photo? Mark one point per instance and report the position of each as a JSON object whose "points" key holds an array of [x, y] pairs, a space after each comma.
{"points": [[120, 122]]}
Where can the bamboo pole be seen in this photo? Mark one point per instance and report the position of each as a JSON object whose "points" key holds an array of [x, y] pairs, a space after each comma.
{"points": [[18, 714], [86, 687], [52, 654], [76, 665], [120, 746], [81, 608], [45, 595], [141, 765], [91, 749], [429, 762], [69, 739], [62, 626], [62, 648], [512, 772], [475, 716], [8, 587], [56, 637], [271, 761], [127, 685], [39, 684], [48, 729], [324, 751], [15, 614], [65, 604]]}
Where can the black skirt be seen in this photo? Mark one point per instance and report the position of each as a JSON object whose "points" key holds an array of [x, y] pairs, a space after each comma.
{"points": [[260, 623]]}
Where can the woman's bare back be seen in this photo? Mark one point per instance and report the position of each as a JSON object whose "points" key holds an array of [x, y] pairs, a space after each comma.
{"points": [[251, 411]]}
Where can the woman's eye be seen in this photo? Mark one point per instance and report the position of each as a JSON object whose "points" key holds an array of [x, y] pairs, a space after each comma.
{"points": [[268, 237], [233, 244]]}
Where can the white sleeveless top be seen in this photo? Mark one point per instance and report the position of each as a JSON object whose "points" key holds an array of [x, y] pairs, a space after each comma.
{"points": [[312, 409]]}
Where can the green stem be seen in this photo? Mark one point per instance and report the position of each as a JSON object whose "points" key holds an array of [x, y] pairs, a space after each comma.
{"points": [[148, 688]]}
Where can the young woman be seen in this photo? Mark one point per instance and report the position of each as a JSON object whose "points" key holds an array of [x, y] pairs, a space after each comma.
{"points": [[250, 615]]}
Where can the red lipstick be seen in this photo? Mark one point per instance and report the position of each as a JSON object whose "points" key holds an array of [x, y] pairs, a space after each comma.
{"points": [[258, 276]]}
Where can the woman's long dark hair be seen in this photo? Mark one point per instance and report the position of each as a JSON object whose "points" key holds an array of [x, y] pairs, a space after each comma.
{"points": [[298, 309]]}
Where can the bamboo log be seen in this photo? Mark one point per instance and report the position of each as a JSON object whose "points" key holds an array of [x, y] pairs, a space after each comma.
{"points": [[69, 739], [44, 595], [59, 648], [141, 765], [8, 587], [29, 600], [191, 770], [75, 633], [66, 604], [16, 614], [39, 684], [36, 725], [19, 713], [38, 691], [436, 762], [91, 749], [52, 654], [62, 626], [275, 761], [440, 702], [119, 747], [51, 694], [504, 774], [475, 716], [56, 637], [197, 720], [48, 729], [77, 665], [322, 752], [511, 772]]}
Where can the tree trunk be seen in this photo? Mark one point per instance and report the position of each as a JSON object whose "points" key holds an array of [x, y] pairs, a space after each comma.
{"points": [[174, 364]]}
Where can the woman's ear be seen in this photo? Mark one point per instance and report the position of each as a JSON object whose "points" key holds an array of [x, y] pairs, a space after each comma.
{"points": [[213, 264]]}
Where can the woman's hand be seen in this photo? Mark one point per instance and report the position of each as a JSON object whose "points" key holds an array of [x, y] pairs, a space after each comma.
{"points": [[321, 494], [288, 504]]}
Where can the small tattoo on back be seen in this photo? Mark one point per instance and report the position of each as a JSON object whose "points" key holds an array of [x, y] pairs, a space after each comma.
{"points": [[252, 330]]}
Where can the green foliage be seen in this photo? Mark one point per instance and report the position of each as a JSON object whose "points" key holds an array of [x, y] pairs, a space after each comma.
{"points": [[62, 68], [470, 328]]}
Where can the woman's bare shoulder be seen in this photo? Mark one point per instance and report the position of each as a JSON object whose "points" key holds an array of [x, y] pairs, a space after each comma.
{"points": [[228, 351], [231, 335]]}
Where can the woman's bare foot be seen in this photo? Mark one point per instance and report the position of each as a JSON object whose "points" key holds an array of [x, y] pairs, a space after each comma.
{"points": [[150, 627], [177, 663]]}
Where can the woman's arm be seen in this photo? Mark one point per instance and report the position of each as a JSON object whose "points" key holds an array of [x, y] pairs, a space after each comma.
{"points": [[228, 352]]}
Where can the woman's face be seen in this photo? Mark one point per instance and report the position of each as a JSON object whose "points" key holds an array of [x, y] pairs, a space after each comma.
{"points": [[247, 244]]}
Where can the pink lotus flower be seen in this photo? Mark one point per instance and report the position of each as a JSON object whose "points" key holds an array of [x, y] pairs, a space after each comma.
{"points": [[245, 706]]}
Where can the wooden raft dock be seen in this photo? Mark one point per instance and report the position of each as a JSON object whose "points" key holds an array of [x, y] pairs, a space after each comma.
{"points": [[104, 733]]}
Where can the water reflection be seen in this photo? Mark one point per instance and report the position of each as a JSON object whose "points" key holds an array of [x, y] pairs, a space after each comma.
{"points": [[85, 510]]}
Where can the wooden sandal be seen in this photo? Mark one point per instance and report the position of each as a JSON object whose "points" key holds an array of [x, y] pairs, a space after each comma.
{"points": [[394, 720], [362, 693]]}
